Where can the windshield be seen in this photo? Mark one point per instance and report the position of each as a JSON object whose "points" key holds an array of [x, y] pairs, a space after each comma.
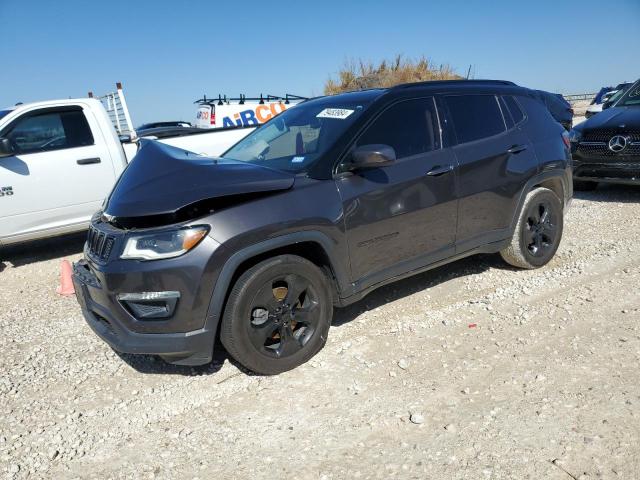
{"points": [[5, 112], [631, 96], [616, 96], [296, 138]]}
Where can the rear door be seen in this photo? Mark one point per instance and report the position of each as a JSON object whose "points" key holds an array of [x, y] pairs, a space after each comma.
{"points": [[60, 173], [495, 159], [402, 216]]}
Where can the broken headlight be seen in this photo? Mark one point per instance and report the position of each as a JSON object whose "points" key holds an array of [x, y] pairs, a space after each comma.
{"points": [[165, 244]]}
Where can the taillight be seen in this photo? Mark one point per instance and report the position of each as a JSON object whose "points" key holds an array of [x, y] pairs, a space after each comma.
{"points": [[565, 139], [213, 119]]}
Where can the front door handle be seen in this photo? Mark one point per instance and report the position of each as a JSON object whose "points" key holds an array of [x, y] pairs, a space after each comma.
{"points": [[517, 149], [439, 170], [88, 161]]}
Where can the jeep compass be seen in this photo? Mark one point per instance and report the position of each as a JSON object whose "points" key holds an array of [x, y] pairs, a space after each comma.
{"points": [[324, 203]]}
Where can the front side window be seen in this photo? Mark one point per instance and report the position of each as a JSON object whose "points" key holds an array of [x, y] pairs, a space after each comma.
{"points": [[297, 137], [410, 127], [475, 116], [50, 131]]}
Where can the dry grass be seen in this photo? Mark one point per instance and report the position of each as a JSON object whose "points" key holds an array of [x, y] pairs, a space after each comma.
{"points": [[358, 75]]}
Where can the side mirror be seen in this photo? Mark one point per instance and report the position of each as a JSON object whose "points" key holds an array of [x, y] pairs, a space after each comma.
{"points": [[6, 149], [372, 156]]}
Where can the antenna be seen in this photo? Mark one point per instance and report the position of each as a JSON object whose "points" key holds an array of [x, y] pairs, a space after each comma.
{"points": [[469, 72]]}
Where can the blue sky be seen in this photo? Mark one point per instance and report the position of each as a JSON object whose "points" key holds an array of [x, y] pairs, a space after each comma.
{"points": [[168, 53]]}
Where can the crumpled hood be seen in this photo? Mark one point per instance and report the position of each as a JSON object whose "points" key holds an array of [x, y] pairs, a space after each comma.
{"points": [[162, 179], [613, 118]]}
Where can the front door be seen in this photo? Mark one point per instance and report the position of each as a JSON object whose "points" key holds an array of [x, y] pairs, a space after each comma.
{"points": [[59, 174], [403, 216]]}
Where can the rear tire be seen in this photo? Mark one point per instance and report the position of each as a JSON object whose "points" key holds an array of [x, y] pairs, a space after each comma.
{"points": [[584, 186], [538, 232], [278, 315]]}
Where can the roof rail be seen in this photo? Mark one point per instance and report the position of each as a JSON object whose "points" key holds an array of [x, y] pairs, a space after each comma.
{"points": [[223, 99], [454, 82]]}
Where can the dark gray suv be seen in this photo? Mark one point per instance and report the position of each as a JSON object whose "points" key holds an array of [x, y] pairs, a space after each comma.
{"points": [[326, 202]]}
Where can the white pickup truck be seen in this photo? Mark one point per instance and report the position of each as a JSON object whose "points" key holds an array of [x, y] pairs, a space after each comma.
{"points": [[59, 160]]}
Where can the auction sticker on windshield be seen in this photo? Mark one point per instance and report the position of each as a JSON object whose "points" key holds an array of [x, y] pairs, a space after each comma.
{"points": [[340, 113]]}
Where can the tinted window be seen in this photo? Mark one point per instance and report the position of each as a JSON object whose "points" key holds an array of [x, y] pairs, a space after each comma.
{"points": [[475, 116], [50, 131], [5, 112], [514, 109], [410, 127]]}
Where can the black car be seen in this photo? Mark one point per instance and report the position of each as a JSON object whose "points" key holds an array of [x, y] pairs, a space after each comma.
{"points": [[314, 209], [606, 147], [558, 106]]}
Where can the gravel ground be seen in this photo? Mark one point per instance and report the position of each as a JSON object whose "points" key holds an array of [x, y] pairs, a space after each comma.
{"points": [[474, 370]]}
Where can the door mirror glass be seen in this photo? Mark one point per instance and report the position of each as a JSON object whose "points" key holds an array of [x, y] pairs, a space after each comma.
{"points": [[372, 156], [6, 150]]}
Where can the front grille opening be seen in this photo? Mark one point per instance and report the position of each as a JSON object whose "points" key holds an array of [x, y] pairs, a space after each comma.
{"points": [[100, 244]]}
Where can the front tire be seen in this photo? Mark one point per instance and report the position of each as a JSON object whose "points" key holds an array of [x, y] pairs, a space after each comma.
{"points": [[278, 315], [538, 232]]}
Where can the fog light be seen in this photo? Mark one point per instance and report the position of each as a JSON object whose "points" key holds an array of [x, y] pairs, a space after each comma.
{"points": [[149, 305]]}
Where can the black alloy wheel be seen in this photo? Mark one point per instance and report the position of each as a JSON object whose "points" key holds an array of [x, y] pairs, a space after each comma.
{"points": [[284, 315], [541, 230], [277, 315]]}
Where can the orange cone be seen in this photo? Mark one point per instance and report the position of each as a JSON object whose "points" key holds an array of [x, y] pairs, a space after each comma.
{"points": [[66, 284]]}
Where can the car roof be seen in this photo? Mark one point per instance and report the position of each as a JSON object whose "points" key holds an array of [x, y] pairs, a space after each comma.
{"points": [[371, 94]]}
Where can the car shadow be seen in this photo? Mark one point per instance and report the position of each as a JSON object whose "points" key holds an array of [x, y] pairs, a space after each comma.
{"points": [[153, 364], [403, 288], [611, 193], [41, 250]]}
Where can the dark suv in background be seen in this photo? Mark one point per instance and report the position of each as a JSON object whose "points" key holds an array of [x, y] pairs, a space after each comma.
{"points": [[606, 147], [324, 203]]}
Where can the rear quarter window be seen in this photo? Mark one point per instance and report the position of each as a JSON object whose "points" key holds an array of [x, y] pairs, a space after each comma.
{"points": [[514, 109], [475, 116]]}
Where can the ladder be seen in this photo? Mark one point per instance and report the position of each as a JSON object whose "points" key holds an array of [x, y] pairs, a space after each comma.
{"points": [[116, 106]]}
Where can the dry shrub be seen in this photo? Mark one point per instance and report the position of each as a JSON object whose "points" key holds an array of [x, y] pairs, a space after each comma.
{"points": [[358, 75]]}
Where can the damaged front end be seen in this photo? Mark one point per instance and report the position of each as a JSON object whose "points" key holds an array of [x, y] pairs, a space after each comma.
{"points": [[150, 265], [167, 185]]}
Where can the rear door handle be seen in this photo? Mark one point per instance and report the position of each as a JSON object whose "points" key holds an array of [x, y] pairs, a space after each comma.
{"points": [[439, 170], [517, 149], [88, 161]]}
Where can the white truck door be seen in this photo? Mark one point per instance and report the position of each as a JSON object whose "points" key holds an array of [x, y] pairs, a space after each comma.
{"points": [[59, 174]]}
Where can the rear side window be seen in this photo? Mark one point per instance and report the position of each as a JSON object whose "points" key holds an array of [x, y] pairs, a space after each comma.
{"points": [[475, 116], [516, 112], [50, 131], [410, 127]]}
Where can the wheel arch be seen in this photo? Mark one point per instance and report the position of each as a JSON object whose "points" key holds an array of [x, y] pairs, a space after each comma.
{"points": [[557, 180], [311, 245]]}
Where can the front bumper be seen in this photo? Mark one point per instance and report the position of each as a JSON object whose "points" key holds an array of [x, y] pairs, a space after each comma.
{"points": [[594, 161], [608, 172], [190, 348], [186, 337]]}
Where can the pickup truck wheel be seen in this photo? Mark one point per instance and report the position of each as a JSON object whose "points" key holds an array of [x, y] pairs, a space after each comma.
{"points": [[538, 231], [278, 315], [584, 186]]}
